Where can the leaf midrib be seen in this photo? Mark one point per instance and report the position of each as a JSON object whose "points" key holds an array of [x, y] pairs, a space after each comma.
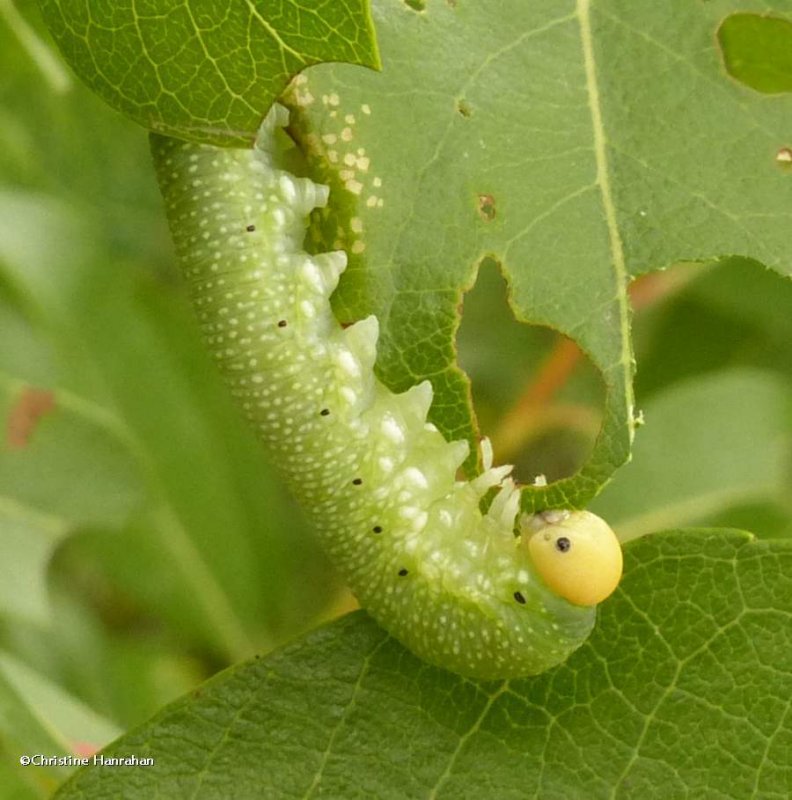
{"points": [[618, 262]]}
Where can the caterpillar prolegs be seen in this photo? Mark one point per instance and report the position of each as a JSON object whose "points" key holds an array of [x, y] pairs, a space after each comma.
{"points": [[455, 585]]}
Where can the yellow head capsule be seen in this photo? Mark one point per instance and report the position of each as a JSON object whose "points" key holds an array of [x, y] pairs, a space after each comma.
{"points": [[575, 553]]}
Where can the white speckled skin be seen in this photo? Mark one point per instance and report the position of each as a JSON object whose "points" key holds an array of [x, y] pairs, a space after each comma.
{"points": [[453, 585]]}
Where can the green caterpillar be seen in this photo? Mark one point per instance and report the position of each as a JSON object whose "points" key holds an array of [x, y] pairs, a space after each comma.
{"points": [[455, 585]]}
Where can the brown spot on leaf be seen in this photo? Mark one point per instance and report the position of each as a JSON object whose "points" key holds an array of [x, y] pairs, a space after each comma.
{"points": [[784, 157], [29, 408], [486, 207]]}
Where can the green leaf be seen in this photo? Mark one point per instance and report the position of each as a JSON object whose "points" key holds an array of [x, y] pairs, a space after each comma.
{"points": [[576, 143], [72, 726], [757, 51], [710, 443], [66, 458], [64, 464], [94, 649], [37, 717], [670, 691], [200, 69], [29, 222], [16, 786], [727, 315]]}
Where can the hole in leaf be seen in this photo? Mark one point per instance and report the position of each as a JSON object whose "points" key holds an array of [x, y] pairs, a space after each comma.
{"points": [[536, 396], [486, 207], [757, 51], [784, 158]]}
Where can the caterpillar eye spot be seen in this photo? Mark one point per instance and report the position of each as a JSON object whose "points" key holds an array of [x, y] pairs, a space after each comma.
{"points": [[520, 598], [324, 412], [250, 228], [563, 544], [377, 529], [282, 323], [403, 572]]}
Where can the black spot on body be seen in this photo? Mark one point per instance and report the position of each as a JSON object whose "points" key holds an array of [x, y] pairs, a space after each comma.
{"points": [[324, 412], [403, 572], [377, 529], [520, 598], [563, 544], [282, 323], [358, 481], [250, 228]]}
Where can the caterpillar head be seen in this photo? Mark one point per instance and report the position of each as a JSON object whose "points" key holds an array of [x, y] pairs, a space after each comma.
{"points": [[575, 553]]}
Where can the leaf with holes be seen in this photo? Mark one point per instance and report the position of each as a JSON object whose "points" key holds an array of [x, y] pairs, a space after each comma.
{"points": [[578, 144]]}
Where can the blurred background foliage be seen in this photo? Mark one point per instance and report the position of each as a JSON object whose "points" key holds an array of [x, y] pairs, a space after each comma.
{"points": [[144, 540]]}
